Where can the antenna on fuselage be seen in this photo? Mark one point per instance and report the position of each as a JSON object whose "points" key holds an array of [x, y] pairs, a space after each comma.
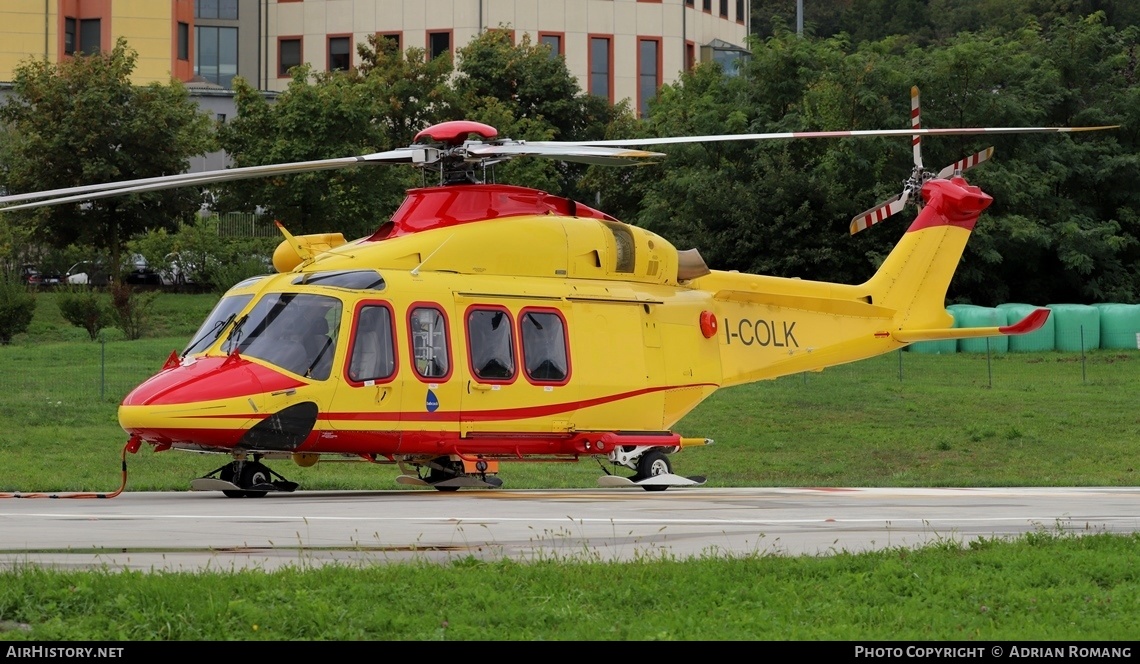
{"points": [[416, 270], [302, 251]]}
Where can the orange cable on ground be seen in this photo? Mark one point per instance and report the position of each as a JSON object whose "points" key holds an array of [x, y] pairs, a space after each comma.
{"points": [[79, 495]]}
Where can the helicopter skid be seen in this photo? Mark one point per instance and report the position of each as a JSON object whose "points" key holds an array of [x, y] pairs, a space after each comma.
{"points": [[662, 481], [214, 484]]}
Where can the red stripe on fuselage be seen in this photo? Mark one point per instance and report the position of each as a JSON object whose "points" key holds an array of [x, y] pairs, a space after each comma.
{"points": [[209, 379], [523, 413]]}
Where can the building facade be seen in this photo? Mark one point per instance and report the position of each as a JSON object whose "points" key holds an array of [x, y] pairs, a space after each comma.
{"points": [[618, 49], [159, 30]]}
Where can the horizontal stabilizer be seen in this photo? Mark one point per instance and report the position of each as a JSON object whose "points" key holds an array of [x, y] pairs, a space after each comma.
{"points": [[1030, 323]]}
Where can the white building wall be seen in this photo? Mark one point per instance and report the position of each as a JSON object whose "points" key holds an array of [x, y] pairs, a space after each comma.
{"points": [[624, 20]]}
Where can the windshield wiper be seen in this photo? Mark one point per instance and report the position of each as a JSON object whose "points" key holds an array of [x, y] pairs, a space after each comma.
{"points": [[216, 330], [235, 333]]}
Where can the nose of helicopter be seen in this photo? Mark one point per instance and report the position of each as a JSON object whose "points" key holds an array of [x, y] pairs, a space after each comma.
{"points": [[209, 401]]}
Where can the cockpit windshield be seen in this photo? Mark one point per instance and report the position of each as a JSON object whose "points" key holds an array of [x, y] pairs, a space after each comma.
{"points": [[294, 331], [224, 312]]}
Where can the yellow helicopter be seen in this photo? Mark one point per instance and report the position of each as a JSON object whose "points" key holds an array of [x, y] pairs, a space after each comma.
{"points": [[488, 323]]}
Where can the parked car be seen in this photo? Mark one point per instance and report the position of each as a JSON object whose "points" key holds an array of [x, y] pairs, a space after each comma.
{"points": [[88, 273], [30, 275], [141, 274]]}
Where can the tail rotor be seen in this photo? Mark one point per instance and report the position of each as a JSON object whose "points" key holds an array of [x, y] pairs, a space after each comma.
{"points": [[918, 176]]}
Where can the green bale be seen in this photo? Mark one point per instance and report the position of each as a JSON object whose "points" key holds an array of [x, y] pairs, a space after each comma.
{"points": [[982, 317], [1077, 326], [1040, 340], [1119, 325]]}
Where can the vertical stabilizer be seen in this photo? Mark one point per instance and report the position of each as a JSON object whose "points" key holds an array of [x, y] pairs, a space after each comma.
{"points": [[914, 278]]}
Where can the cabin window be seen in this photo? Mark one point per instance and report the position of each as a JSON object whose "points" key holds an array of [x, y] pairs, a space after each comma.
{"points": [[491, 344], [373, 354], [428, 329], [353, 279], [544, 347], [296, 332]]}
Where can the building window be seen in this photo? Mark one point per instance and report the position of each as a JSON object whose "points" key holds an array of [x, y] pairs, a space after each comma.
{"points": [[739, 11], [224, 9], [428, 329], [544, 348], [491, 344], [389, 41], [216, 58], [689, 2], [373, 355], [601, 70], [724, 8], [70, 26], [183, 41], [690, 55], [340, 56], [438, 44], [288, 54], [90, 36], [553, 41], [648, 73], [707, 6]]}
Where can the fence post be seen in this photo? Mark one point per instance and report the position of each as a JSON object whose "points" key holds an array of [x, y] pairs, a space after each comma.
{"points": [[1084, 372], [102, 366], [989, 366]]}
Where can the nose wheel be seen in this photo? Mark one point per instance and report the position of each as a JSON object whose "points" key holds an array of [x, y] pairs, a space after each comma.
{"points": [[243, 479], [247, 475]]}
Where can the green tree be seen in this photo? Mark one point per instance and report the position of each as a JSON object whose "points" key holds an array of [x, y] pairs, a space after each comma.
{"points": [[328, 115], [81, 121], [527, 93], [17, 306]]}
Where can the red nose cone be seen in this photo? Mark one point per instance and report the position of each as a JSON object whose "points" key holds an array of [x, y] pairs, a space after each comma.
{"points": [[208, 379]]}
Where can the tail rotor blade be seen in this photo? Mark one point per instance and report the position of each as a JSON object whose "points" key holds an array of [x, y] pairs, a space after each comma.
{"points": [[880, 212], [915, 123], [968, 162]]}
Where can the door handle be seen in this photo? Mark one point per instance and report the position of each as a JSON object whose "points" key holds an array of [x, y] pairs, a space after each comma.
{"points": [[382, 393], [482, 387]]}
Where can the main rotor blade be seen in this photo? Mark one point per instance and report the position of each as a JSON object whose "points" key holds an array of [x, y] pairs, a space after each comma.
{"points": [[957, 131], [865, 220], [584, 154], [93, 191], [963, 164]]}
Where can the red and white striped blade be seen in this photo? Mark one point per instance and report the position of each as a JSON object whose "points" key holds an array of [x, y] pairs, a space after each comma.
{"points": [[969, 162], [915, 123], [879, 213]]}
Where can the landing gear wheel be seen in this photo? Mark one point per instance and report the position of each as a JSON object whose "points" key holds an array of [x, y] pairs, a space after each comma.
{"points": [[253, 474], [245, 474], [449, 469], [652, 464]]}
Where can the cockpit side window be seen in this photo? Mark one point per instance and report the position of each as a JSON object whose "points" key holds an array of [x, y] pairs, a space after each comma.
{"points": [[544, 347], [296, 332], [427, 327], [490, 342], [373, 356]]}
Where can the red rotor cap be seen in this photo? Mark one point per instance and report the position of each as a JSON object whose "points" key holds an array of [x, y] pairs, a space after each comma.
{"points": [[456, 131]]}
